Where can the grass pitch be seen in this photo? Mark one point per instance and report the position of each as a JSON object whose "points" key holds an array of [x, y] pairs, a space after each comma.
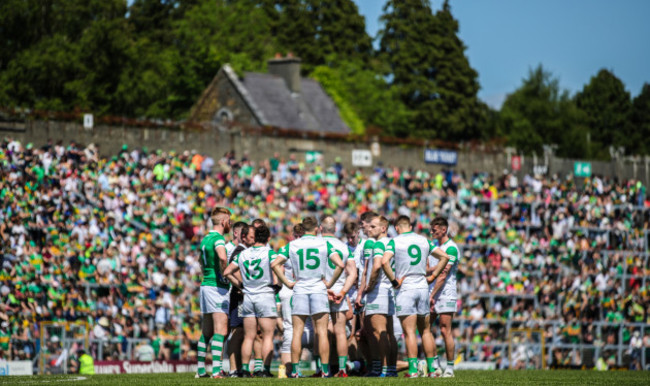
{"points": [[468, 377]]}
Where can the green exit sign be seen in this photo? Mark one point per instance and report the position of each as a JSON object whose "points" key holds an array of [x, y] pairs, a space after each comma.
{"points": [[313, 156], [582, 169]]}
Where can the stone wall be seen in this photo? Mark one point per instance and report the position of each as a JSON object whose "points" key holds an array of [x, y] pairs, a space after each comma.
{"points": [[215, 143]]}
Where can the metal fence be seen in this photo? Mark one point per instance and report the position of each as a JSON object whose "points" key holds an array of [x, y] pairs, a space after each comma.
{"points": [[588, 353]]}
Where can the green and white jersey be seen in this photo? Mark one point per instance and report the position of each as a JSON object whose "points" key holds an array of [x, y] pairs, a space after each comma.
{"points": [[340, 247], [379, 247], [453, 251], [212, 275], [309, 256], [410, 252], [367, 252], [255, 266]]}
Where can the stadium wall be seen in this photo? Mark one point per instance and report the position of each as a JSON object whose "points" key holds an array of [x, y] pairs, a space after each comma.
{"points": [[263, 145]]}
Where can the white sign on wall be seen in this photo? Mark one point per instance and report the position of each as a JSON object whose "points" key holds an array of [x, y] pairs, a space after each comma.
{"points": [[88, 121], [16, 368], [361, 158]]}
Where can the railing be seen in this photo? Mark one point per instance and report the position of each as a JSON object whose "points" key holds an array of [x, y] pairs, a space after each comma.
{"points": [[597, 349]]}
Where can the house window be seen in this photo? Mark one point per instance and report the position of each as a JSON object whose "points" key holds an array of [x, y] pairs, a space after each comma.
{"points": [[223, 115]]}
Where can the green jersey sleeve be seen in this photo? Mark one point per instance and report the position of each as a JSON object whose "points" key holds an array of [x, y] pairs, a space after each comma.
{"points": [[379, 249], [331, 250], [219, 242], [390, 247], [453, 254], [284, 252], [272, 255], [368, 248], [432, 246]]}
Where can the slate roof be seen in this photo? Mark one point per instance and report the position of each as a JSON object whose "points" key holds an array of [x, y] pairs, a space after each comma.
{"points": [[275, 105]]}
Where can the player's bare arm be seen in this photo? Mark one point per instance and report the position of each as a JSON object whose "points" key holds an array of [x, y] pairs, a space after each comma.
{"points": [[229, 273], [438, 270], [223, 256], [362, 287], [440, 283], [388, 270], [351, 272], [374, 275], [276, 266]]}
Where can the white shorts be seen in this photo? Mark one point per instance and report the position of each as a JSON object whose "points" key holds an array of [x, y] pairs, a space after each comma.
{"points": [[446, 302], [309, 304], [259, 306], [285, 300], [214, 299], [340, 307], [412, 302], [380, 302]]}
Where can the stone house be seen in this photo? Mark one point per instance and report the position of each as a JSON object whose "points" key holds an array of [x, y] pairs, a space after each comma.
{"points": [[280, 98]]}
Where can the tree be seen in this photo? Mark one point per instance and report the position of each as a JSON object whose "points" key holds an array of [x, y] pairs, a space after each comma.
{"points": [[319, 31], [429, 69], [454, 111], [71, 54], [540, 113], [209, 35], [640, 122], [607, 106], [341, 31]]}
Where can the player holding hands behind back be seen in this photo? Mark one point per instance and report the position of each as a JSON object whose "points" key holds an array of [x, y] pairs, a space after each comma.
{"points": [[309, 258]]}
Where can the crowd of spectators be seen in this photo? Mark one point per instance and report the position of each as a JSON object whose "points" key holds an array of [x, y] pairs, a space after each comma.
{"points": [[112, 241]]}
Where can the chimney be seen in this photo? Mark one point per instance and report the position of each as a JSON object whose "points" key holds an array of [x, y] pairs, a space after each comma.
{"points": [[287, 68]]}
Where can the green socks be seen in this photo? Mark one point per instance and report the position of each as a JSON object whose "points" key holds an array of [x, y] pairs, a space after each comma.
{"points": [[432, 362], [343, 364], [325, 367], [246, 367], [217, 352], [413, 365], [294, 368], [202, 349], [258, 365]]}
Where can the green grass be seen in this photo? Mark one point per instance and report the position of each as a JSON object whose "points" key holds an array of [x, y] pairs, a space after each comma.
{"points": [[530, 377]]}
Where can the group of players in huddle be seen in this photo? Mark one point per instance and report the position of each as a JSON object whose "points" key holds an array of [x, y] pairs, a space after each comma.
{"points": [[309, 288]]}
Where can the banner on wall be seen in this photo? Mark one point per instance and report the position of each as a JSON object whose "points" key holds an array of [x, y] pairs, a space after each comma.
{"points": [[16, 368], [438, 156], [135, 367]]}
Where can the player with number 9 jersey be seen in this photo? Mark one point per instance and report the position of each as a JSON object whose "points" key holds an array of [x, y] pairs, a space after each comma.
{"points": [[410, 252]]}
